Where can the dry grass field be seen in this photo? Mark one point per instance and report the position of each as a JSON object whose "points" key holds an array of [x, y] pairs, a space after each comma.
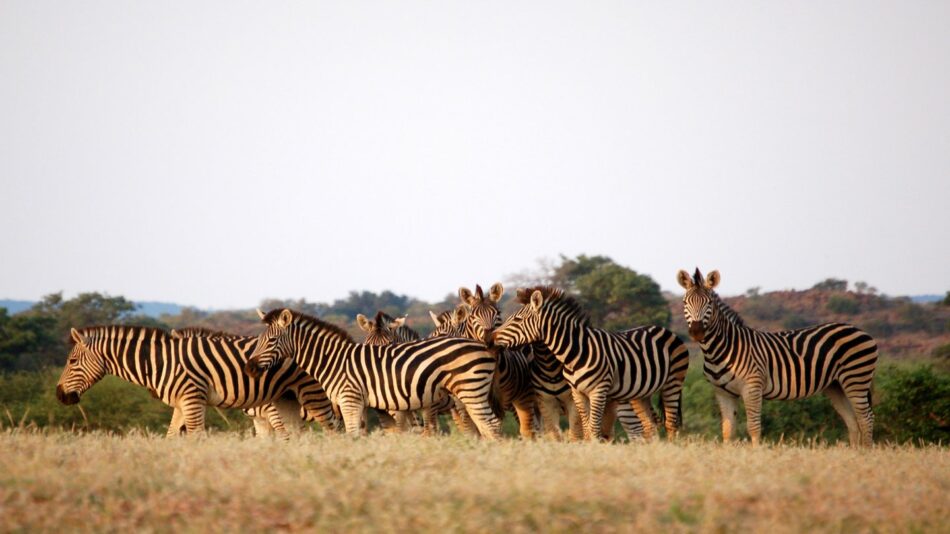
{"points": [[66, 482]]}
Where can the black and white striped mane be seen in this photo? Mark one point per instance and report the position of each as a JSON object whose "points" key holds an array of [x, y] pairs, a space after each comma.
{"points": [[120, 331], [306, 321], [556, 295], [728, 313], [200, 331]]}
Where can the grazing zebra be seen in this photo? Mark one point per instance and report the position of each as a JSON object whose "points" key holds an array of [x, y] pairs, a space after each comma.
{"points": [[739, 361], [303, 394], [406, 376], [602, 366], [187, 374]]}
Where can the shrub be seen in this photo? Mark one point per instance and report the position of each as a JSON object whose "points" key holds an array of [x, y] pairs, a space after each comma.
{"points": [[842, 304], [914, 404]]}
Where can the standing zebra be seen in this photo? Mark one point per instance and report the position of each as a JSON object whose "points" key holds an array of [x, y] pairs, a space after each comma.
{"points": [[405, 376], [303, 400], [513, 374], [739, 361], [602, 366], [187, 374]]}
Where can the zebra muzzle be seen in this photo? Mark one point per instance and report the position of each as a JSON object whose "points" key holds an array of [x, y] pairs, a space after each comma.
{"points": [[66, 398], [697, 332], [252, 368]]}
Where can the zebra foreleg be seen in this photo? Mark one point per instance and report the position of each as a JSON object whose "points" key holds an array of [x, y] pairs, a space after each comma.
{"points": [[728, 403], [193, 410], [574, 420], [629, 421], [276, 422], [607, 426], [550, 410], [177, 424], [595, 417], [581, 404], [352, 412], [752, 398]]}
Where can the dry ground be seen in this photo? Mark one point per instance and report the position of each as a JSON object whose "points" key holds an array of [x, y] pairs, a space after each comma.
{"points": [[61, 481]]}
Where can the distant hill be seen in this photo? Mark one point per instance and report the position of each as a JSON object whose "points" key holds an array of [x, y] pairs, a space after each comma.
{"points": [[926, 298], [150, 308], [16, 306]]}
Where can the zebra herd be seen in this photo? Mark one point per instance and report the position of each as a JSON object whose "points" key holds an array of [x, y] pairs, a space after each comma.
{"points": [[542, 362]]}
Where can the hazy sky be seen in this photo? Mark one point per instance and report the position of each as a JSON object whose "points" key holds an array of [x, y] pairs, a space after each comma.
{"points": [[216, 153]]}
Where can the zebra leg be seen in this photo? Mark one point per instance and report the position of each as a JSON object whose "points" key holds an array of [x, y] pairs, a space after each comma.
{"points": [[752, 398], [262, 426], [273, 417], [859, 395], [524, 409], [595, 417], [843, 407], [430, 417], [177, 423], [630, 422], [610, 417], [581, 403], [550, 415], [574, 420], [193, 409], [462, 420], [728, 403], [352, 411], [644, 409], [672, 398], [403, 420]]}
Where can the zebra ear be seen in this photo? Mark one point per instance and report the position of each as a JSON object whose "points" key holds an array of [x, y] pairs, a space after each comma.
{"points": [[398, 322], [76, 336], [174, 334], [435, 319], [537, 299], [462, 311], [465, 294], [260, 314], [683, 278], [286, 317], [712, 279], [364, 323], [495, 292]]}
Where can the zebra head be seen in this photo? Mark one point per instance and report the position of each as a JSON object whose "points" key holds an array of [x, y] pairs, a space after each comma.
{"points": [[381, 330], [485, 316], [83, 369], [699, 301], [450, 323], [524, 326], [274, 345]]}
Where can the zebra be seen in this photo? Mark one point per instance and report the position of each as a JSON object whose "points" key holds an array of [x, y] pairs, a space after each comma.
{"points": [[304, 399], [602, 366], [513, 374], [742, 362], [187, 374], [405, 376], [519, 379]]}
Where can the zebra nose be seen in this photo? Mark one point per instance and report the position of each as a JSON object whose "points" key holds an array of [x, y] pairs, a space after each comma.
{"points": [[697, 332]]}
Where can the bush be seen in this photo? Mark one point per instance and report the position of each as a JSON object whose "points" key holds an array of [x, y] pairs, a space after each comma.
{"points": [[941, 352], [843, 305], [914, 404]]}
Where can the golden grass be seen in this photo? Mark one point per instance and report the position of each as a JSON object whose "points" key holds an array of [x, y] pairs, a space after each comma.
{"points": [[62, 481]]}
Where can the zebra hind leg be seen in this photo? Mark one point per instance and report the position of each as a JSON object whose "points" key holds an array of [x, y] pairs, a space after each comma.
{"points": [[550, 416], [644, 409], [859, 396], [524, 409], [177, 425], [841, 405], [630, 422], [193, 410], [276, 422]]}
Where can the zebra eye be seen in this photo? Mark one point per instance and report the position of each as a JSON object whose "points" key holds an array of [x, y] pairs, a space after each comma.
{"points": [[73, 360]]}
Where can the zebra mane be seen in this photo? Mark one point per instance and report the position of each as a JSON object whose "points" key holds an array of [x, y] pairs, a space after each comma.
{"points": [[200, 331], [119, 330], [730, 315], [310, 320], [557, 295]]}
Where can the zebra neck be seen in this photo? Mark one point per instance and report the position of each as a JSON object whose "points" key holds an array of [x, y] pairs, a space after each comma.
{"points": [[719, 338], [319, 353], [565, 338], [128, 360]]}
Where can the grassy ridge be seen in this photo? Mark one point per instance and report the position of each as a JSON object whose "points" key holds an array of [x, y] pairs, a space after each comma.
{"points": [[65, 481]]}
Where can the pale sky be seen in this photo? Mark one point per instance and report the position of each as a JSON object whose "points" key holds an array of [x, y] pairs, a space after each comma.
{"points": [[217, 153]]}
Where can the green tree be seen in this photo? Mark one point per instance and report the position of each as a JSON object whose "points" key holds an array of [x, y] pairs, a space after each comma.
{"points": [[25, 340], [615, 296], [831, 284]]}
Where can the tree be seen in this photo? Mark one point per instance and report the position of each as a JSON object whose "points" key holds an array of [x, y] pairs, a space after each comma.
{"points": [[615, 296], [831, 284], [946, 300]]}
